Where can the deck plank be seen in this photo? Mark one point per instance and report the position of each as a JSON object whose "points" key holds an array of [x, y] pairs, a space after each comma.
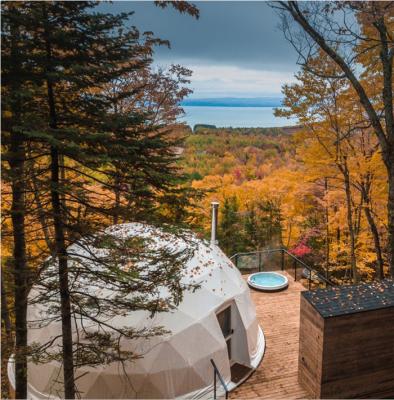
{"points": [[276, 376]]}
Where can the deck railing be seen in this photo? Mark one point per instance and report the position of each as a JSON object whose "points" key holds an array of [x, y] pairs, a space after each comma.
{"points": [[274, 259], [216, 373]]}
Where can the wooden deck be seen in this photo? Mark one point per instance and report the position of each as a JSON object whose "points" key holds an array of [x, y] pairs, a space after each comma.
{"points": [[276, 377]]}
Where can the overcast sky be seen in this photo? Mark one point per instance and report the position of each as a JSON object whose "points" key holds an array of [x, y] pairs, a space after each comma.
{"points": [[234, 48]]}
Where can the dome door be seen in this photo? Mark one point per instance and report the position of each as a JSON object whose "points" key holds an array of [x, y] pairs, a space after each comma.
{"points": [[224, 319], [234, 334]]}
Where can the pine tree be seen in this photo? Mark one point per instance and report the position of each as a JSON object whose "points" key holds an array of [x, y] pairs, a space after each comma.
{"points": [[76, 52], [82, 149], [252, 237], [15, 96], [230, 233]]}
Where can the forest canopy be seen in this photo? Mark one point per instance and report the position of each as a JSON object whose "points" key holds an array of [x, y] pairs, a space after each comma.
{"points": [[284, 190]]}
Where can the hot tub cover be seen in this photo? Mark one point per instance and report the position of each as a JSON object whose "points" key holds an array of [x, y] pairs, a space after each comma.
{"points": [[174, 365]]}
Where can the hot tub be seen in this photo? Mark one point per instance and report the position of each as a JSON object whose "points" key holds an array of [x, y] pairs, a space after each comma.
{"points": [[268, 281]]}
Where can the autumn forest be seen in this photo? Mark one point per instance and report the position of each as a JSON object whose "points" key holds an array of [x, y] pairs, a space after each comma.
{"points": [[91, 138]]}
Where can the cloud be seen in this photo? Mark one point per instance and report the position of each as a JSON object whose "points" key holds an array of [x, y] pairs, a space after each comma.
{"points": [[229, 80], [235, 48]]}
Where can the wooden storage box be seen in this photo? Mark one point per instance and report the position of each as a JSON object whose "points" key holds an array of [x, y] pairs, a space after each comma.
{"points": [[347, 341]]}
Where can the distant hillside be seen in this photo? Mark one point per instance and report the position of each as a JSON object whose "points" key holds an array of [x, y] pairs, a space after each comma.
{"points": [[199, 127], [234, 102], [274, 131]]}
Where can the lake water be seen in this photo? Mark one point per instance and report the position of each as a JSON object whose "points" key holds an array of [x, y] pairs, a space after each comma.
{"points": [[236, 117]]}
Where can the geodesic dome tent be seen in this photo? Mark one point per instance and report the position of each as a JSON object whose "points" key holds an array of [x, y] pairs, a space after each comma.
{"points": [[216, 321]]}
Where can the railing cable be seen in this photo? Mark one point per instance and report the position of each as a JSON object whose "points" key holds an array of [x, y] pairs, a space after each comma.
{"points": [[311, 271]]}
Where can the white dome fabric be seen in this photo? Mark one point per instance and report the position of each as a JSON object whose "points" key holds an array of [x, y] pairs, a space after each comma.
{"points": [[176, 364]]}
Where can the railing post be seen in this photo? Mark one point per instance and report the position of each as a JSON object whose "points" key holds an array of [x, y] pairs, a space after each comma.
{"points": [[295, 269], [283, 259], [259, 261], [309, 280], [214, 384], [216, 372]]}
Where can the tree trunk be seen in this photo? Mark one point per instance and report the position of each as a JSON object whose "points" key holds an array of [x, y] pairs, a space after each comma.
{"points": [[5, 313], [18, 211], [20, 267], [6, 342], [376, 240], [358, 213], [117, 200], [353, 262], [61, 254], [327, 231], [60, 242]]}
